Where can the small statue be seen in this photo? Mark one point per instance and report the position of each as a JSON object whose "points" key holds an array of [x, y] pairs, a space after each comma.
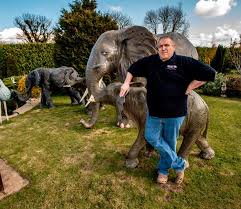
{"points": [[223, 89], [5, 95]]}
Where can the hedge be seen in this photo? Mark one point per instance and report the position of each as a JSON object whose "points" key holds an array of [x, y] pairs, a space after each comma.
{"points": [[19, 59]]}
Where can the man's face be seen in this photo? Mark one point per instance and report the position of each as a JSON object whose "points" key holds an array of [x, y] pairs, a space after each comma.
{"points": [[166, 48]]}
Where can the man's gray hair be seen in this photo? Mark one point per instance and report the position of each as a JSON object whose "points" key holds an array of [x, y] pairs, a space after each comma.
{"points": [[164, 36]]}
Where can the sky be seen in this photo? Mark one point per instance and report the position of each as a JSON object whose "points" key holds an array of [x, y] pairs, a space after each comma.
{"points": [[211, 21]]}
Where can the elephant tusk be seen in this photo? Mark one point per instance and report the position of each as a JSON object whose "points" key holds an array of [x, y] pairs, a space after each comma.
{"points": [[84, 95], [100, 82], [91, 99]]}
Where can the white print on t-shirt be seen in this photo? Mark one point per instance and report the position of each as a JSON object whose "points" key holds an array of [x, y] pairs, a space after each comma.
{"points": [[171, 67]]}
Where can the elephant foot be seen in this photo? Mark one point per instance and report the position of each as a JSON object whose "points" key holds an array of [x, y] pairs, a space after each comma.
{"points": [[123, 125], [85, 124], [207, 154], [41, 106], [132, 163], [75, 103]]}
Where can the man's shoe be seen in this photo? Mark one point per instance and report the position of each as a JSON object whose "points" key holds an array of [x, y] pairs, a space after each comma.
{"points": [[180, 174], [162, 179]]}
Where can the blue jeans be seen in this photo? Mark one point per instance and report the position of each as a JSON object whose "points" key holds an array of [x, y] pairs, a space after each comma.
{"points": [[162, 134]]}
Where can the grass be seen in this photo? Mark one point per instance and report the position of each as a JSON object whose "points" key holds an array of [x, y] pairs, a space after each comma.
{"points": [[72, 167]]}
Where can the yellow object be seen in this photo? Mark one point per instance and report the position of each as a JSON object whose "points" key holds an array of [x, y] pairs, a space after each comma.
{"points": [[22, 88]]}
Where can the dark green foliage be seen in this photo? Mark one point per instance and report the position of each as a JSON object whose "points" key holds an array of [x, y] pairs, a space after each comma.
{"points": [[233, 86], [9, 83], [19, 59], [77, 32], [214, 88], [202, 53], [218, 61]]}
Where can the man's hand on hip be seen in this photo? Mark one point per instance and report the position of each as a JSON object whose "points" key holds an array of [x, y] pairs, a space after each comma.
{"points": [[124, 89]]}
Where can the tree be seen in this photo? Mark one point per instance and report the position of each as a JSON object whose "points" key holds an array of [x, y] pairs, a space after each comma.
{"points": [[171, 18], [235, 54], [218, 61], [35, 28], [151, 21], [164, 17], [178, 20], [77, 31], [121, 19]]}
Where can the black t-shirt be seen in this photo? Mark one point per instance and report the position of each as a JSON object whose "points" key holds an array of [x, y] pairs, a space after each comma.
{"points": [[167, 82]]}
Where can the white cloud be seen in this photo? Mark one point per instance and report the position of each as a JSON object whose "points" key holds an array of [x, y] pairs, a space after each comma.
{"points": [[223, 35], [201, 39], [115, 8], [213, 8], [9, 35]]}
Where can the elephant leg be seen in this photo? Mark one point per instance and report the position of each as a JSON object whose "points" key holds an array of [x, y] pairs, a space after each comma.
{"points": [[119, 110], [206, 151], [149, 150], [43, 99], [74, 95], [189, 139], [47, 98], [122, 120], [132, 158]]}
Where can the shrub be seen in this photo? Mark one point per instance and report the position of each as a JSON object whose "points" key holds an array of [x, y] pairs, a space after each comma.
{"points": [[218, 61], [9, 82], [233, 86], [214, 88]]}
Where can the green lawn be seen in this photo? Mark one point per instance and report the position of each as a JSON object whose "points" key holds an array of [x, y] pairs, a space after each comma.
{"points": [[72, 167]]}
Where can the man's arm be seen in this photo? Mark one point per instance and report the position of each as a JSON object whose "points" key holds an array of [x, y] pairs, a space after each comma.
{"points": [[125, 87], [193, 85]]}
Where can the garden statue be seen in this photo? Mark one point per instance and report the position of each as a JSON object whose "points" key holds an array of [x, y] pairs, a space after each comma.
{"points": [[5, 95], [52, 79], [223, 89], [116, 51]]}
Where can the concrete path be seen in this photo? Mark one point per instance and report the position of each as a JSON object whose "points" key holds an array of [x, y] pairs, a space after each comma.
{"points": [[30, 104]]}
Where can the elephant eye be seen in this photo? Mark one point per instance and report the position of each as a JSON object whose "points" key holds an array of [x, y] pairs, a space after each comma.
{"points": [[104, 53]]}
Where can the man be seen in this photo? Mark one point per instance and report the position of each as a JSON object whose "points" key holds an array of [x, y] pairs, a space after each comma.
{"points": [[170, 78]]}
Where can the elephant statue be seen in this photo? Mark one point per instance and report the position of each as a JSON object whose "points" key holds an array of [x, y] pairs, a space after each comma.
{"points": [[52, 79], [134, 105], [115, 51]]}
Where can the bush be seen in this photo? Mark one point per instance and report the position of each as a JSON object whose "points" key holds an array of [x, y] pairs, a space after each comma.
{"points": [[12, 82], [214, 88], [233, 86]]}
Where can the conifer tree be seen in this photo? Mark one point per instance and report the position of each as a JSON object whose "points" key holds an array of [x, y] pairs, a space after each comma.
{"points": [[77, 31], [218, 61]]}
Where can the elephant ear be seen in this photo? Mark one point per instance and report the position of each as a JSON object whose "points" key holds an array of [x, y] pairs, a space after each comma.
{"points": [[183, 46], [134, 43]]}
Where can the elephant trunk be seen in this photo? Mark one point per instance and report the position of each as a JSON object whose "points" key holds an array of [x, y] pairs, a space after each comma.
{"points": [[94, 115], [93, 78], [95, 91]]}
